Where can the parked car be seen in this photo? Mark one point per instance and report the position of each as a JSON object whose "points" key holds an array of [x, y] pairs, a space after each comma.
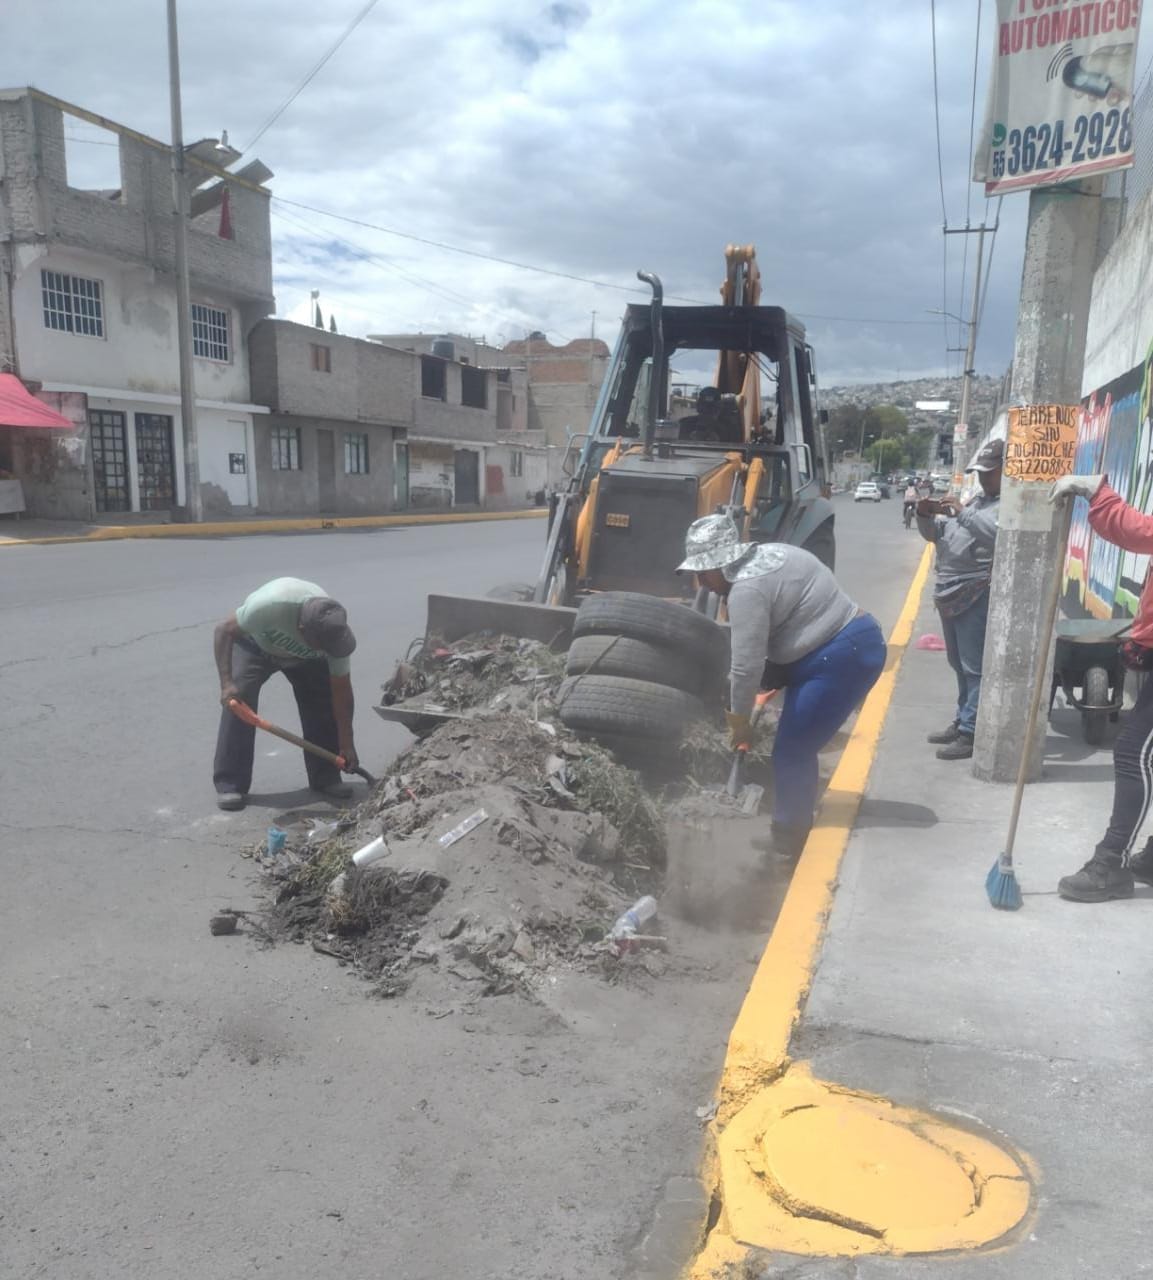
{"points": [[867, 491]]}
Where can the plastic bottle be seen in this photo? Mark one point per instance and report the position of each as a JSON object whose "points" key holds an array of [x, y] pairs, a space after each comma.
{"points": [[372, 852], [633, 921], [276, 841]]}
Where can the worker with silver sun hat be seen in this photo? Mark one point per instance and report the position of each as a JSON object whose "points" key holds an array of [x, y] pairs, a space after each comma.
{"points": [[792, 626]]}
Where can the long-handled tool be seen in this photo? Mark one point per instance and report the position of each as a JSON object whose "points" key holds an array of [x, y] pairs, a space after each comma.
{"points": [[749, 794], [242, 711], [1001, 882]]}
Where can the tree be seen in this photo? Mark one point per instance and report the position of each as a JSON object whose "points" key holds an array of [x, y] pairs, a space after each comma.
{"points": [[886, 420], [887, 454]]}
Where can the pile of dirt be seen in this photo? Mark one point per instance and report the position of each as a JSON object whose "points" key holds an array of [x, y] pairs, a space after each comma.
{"points": [[561, 839], [509, 846]]}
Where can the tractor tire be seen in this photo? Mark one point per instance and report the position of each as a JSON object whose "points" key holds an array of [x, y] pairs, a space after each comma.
{"points": [[657, 622], [823, 544], [626, 708], [638, 660]]}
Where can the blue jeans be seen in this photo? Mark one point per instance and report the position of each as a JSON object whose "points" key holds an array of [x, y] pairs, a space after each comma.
{"points": [[965, 649], [824, 688]]}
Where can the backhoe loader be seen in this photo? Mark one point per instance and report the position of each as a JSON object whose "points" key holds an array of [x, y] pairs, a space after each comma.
{"points": [[748, 443]]}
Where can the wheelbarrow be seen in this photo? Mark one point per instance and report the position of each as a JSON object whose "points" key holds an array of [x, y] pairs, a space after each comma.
{"points": [[1088, 658]]}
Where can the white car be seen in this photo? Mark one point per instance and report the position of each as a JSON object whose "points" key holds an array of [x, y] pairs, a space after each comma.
{"points": [[867, 491]]}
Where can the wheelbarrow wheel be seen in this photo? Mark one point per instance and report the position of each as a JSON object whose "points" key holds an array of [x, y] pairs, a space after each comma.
{"points": [[1096, 695]]}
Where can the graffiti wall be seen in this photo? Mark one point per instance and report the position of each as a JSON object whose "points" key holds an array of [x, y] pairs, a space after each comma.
{"points": [[1114, 436]]}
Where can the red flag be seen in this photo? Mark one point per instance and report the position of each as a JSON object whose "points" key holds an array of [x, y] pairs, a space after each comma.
{"points": [[225, 217]]}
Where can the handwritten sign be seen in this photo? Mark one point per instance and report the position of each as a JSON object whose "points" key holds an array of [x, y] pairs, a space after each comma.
{"points": [[1042, 441]]}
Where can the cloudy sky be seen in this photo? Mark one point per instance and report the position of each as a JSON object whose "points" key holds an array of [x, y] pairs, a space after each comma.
{"points": [[590, 137]]}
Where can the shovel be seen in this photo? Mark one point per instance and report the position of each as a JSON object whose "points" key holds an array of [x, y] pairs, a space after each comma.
{"points": [[747, 795], [242, 711]]}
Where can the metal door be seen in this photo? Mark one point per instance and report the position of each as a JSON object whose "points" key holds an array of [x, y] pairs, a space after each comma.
{"points": [[108, 433], [155, 463], [326, 469], [236, 484], [466, 465], [400, 475]]}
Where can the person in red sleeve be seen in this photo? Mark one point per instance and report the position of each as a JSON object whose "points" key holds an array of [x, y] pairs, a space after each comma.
{"points": [[1113, 868]]}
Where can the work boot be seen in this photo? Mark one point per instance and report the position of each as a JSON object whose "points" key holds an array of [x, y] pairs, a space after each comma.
{"points": [[945, 736], [1141, 867], [785, 841], [1101, 878], [961, 748], [335, 790], [230, 800]]}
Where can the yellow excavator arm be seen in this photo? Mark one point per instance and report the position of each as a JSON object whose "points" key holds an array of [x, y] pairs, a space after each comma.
{"points": [[738, 373]]}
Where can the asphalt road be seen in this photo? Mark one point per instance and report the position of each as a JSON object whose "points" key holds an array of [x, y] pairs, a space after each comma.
{"points": [[179, 1107]]}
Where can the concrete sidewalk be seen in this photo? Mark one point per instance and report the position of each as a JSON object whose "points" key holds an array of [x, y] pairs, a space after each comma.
{"points": [[35, 532], [1034, 1026]]}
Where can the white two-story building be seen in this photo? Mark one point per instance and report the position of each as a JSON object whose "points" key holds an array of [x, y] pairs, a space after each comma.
{"points": [[88, 317]]}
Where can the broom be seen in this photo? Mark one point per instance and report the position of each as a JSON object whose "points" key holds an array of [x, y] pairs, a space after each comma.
{"points": [[1001, 882]]}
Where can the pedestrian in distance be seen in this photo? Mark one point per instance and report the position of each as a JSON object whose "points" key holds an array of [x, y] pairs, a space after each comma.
{"points": [[791, 626], [1113, 868], [290, 626], [965, 538]]}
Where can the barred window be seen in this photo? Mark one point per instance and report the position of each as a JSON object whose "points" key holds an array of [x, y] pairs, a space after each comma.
{"points": [[285, 448], [516, 466], [72, 304], [355, 453], [210, 333]]}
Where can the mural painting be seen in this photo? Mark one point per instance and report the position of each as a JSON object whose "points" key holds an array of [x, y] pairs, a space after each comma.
{"points": [[1114, 437]]}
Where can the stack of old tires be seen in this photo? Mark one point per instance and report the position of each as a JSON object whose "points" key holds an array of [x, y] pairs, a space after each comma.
{"points": [[640, 671]]}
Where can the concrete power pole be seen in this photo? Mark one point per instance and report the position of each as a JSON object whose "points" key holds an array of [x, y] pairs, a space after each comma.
{"points": [[194, 507], [967, 375], [1061, 252]]}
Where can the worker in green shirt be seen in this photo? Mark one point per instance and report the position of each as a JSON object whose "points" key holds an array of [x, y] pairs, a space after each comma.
{"points": [[291, 626]]}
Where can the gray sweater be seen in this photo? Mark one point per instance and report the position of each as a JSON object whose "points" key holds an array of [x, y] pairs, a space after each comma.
{"points": [[965, 543], [784, 603]]}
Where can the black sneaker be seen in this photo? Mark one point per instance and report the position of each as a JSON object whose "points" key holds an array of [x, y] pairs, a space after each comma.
{"points": [[961, 748], [1100, 879], [945, 736], [1141, 867]]}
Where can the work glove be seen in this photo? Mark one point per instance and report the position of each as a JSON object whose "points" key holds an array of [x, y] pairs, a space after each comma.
{"points": [[1076, 487], [740, 731]]}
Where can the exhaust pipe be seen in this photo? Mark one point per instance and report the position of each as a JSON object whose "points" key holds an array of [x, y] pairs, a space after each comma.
{"points": [[657, 379]]}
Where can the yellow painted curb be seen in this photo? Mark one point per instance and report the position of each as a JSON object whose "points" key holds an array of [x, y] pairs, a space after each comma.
{"points": [[759, 1043], [240, 528], [805, 1167]]}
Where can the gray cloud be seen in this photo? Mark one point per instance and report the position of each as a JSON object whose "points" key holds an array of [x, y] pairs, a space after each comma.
{"points": [[592, 138]]}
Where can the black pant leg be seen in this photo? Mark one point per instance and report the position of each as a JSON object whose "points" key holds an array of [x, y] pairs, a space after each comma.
{"points": [[1132, 774], [313, 689], [235, 740]]}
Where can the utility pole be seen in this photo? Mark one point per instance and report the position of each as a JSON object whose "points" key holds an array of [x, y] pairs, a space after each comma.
{"points": [[1061, 252], [194, 507], [967, 374]]}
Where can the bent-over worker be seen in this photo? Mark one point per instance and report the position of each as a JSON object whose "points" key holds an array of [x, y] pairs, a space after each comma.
{"points": [[1113, 868], [787, 610], [291, 626]]}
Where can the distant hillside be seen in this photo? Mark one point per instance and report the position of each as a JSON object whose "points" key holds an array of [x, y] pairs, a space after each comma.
{"points": [[985, 394]]}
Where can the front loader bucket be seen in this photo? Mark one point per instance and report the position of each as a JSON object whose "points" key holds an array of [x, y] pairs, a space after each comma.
{"points": [[453, 617]]}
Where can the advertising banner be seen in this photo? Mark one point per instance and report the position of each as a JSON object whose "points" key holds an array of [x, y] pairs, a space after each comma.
{"points": [[1059, 104]]}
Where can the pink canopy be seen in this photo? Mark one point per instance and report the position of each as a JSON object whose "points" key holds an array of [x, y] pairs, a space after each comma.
{"points": [[19, 408]]}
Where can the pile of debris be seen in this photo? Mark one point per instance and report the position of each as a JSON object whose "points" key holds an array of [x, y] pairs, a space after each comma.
{"points": [[505, 847]]}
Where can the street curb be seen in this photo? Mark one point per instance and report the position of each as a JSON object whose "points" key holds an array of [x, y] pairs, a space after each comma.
{"points": [[759, 1043], [241, 528]]}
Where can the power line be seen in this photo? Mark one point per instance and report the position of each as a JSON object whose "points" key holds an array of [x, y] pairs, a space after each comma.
{"points": [[969, 168], [420, 282], [308, 79], [937, 111]]}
